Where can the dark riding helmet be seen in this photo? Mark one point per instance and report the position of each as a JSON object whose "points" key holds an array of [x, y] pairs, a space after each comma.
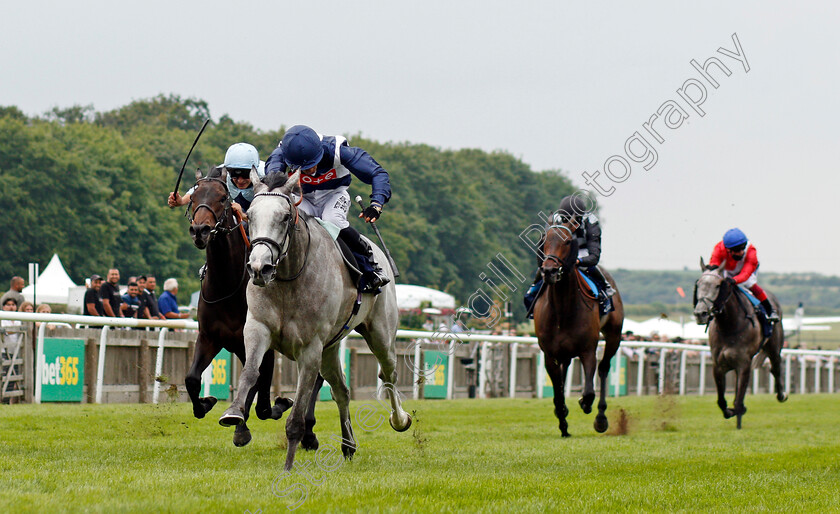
{"points": [[572, 206], [734, 239], [302, 148]]}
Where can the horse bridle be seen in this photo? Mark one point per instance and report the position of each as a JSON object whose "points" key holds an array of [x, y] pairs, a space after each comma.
{"points": [[715, 306], [554, 258], [283, 246], [219, 227]]}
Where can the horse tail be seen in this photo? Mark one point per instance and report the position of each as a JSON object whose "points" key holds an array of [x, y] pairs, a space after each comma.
{"points": [[758, 359]]}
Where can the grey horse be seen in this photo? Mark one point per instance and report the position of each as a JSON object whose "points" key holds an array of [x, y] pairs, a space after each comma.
{"points": [[735, 337], [301, 301]]}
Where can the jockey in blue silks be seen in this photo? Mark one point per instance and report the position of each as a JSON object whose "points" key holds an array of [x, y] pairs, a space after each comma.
{"points": [[326, 164]]}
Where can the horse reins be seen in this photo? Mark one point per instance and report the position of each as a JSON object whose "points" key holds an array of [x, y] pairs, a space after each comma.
{"points": [[583, 288], [271, 243]]}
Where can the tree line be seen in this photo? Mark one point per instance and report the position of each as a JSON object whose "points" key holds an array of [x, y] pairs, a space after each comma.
{"points": [[92, 187]]}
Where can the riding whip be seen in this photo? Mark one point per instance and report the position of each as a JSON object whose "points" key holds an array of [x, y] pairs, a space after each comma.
{"points": [[384, 248], [178, 183]]}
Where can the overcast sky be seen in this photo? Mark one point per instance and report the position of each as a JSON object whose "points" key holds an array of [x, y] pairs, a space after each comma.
{"points": [[560, 85]]}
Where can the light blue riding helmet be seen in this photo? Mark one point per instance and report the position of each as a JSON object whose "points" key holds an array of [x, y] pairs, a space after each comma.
{"points": [[242, 156], [734, 237]]}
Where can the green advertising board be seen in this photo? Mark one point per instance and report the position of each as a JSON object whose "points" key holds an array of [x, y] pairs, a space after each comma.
{"points": [[326, 391], [62, 370], [618, 373], [435, 367], [220, 370]]}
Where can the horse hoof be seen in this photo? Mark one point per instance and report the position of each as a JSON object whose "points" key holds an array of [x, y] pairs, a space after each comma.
{"points": [[585, 406], [309, 442], [231, 418], [403, 429], [565, 434], [348, 451], [782, 397], [281, 405], [601, 424], [242, 438], [728, 413], [203, 406]]}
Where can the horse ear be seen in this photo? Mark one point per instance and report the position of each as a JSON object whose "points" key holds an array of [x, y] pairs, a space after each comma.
{"points": [[702, 264], [291, 184], [198, 173], [259, 186]]}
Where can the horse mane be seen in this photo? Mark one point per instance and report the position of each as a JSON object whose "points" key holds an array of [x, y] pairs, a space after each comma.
{"points": [[275, 180], [573, 253]]}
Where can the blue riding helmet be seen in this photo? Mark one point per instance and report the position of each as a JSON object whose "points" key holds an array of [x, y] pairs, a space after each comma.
{"points": [[302, 147], [734, 237]]}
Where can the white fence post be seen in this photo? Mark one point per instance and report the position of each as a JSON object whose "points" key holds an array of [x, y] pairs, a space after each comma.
{"points": [[701, 387], [640, 373], [415, 388], [831, 374], [39, 363], [514, 347], [755, 381], [817, 372], [662, 353], [482, 375], [771, 382], [570, 371], [450, 372], [682, 372], [158, 364], [787, 373], [540, 372], [803, 373], [100, 368]]}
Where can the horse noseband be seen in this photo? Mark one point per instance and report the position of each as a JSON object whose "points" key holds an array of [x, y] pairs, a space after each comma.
{"points": [[555, 259]]}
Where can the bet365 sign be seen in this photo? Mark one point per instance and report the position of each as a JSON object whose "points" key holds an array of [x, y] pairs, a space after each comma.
{"points": [[62, 370]]}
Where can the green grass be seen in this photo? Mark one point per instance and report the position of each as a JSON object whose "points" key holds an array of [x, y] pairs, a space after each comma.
{"points": [[460, 456]]}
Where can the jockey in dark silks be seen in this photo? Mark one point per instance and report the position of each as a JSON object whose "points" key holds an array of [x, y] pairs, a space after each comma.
{"points": [[588, 235], [326, 164]]}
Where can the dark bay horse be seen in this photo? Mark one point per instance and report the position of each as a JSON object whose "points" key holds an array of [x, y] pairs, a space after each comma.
{"points": [[221, 306], [301, 301], [735, 337], [567, 323]]}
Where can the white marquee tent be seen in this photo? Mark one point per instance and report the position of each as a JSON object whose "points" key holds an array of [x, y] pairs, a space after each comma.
{"points": [[53, 284], [410, 297]]}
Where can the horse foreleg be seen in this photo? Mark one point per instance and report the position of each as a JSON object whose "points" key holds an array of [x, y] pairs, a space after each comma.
{"points": [[264, 409], [601, 422], [256, 343], [204, 353], [310, 440], [741, 392], [557, 372], [720, 383], [331, 369], [588, 397], [309, 362]]}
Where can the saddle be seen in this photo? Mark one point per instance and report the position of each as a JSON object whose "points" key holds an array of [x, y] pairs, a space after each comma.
{"points": [[604, 307], [766, 325]]}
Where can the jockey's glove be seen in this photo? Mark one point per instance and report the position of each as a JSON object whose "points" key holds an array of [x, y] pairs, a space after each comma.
{"points": [[372, 211]]}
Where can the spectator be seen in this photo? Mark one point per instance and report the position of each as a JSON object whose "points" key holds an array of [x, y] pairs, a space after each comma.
{"points": [[151, 299], [14, 292], [26, 307], [132, 303], [145, 311], [44, 308], [10, 305], [168, 301], [110, 294], [93, 301]]}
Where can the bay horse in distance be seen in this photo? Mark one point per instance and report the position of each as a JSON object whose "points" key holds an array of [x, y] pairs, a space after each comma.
{"points": [[736, 337], [568, 322], [222, 306]]}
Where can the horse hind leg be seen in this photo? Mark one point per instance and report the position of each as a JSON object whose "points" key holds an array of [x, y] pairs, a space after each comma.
{"points": [[776, 369], [720, 383], [588, 397], [382, 346], [331, 369], [601, 422], [310, 440]]}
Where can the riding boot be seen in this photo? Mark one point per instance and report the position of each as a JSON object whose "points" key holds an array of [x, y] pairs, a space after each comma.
{"points": [[772, 315], [531, 294], [373, 277], [598, 275]]}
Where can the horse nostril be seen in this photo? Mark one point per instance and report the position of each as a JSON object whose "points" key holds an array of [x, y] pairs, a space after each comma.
{"points": [[267, 270]]}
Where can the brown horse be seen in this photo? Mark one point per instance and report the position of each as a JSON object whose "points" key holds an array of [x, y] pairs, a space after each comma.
{"points": [[567, 322], [222, 307], [735, 337]]}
